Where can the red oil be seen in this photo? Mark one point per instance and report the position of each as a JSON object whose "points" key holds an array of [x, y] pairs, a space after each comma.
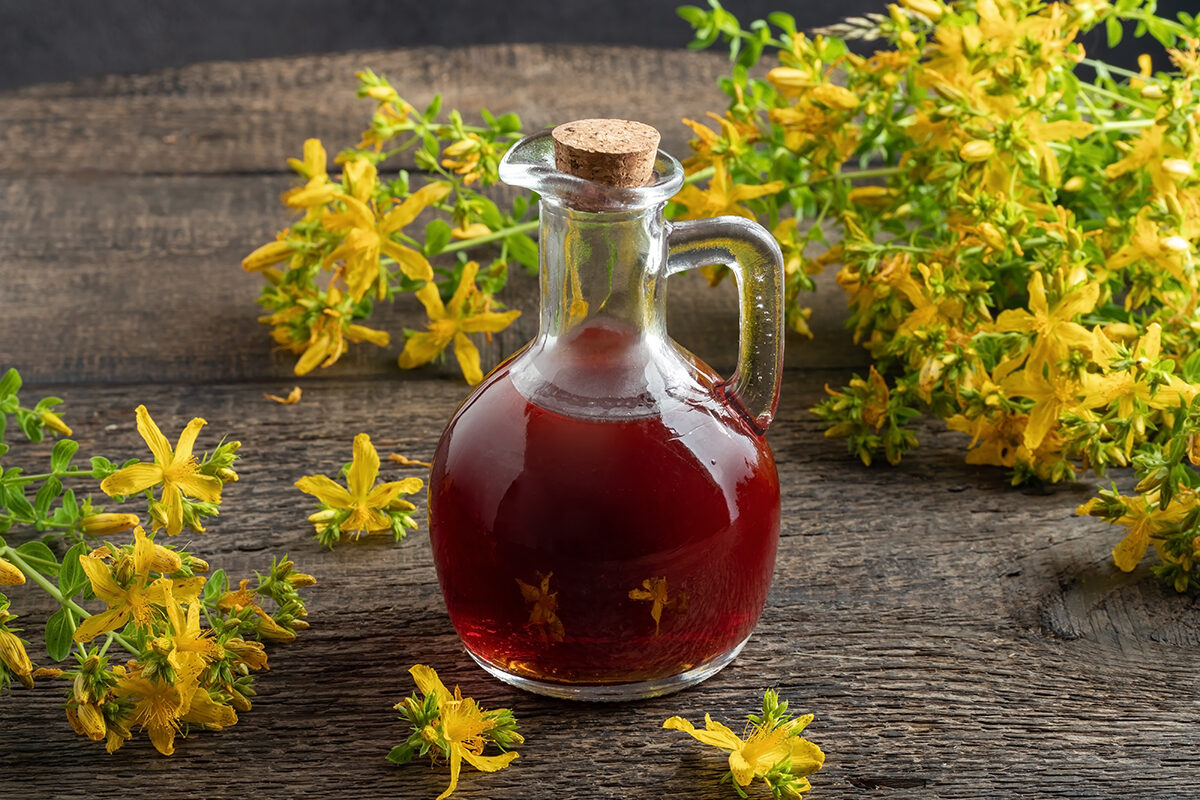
{"points": [[595, 551]]}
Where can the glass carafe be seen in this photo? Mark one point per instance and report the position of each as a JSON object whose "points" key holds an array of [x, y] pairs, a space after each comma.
{"points": [[604, 508]]}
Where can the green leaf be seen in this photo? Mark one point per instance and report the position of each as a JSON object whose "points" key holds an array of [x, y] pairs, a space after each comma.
{"points": [[437, 236], [431, 110], [692, 15], [400, 754], [3, 446], [214, 587], [70, 506], [508, 123], [60, 457], [71, 577], [524, 250], [102, 467], [31, 426], [18, 504], [39, 556], [1114, 30], [59, 636], [10, 384], [50, 490]]}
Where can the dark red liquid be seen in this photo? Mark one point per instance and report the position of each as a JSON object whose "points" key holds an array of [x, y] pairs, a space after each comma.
{"points": [[681, 507]]}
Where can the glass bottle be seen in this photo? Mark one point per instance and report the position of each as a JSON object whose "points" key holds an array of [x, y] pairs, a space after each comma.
{"points": [[604, 508]]}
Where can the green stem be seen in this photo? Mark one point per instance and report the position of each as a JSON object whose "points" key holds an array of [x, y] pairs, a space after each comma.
{"points": [[41, 580], [877, 172], [1098, 65], [503, 233], [1124, 124], [1114, 96], [21, 480], [62, 526]]}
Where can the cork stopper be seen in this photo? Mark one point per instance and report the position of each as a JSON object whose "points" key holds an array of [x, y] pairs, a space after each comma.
{"points": [[615, 152]]}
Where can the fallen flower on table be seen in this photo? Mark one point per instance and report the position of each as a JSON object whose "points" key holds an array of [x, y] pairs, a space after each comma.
{"points": [[291, 400], [447, 726], [360, 506], [771, 749]]}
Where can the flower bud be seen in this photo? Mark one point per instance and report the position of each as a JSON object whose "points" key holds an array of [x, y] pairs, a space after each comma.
{"points": [[1074, 184], [1153, 92], [227, 475], [13, 655], [107, 524], [1177, 168], [197, 564], [91, 721], [926, 8], [253, 654], [55, 423], [323, 516], [838, 97], [1176, 244], [976, 150], [10, 575], [299, 580]]}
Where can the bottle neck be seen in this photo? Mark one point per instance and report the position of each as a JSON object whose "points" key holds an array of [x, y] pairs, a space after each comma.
{"points": [[601, 269]]}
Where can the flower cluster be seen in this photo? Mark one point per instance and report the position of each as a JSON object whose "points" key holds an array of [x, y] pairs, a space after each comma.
{"points": [[181, 672], [1018, 243], [354, 243]]}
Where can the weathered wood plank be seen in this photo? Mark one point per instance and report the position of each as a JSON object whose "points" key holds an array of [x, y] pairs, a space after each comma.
{"points": [[250, 116], [144, 277], [956, 638]]}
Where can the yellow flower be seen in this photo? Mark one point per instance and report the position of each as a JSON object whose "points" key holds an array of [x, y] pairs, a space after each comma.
{"points": [[188, 648], [1052, 393], [655, 590], [134, 600], [317, 192], [465, 313], [176, 470], [368, 233], [461, 724], [1145, 521], [761, 751], [722, 197], [10, 575], [159, 708], [363, 499], [543, 608], [1054, 329]]}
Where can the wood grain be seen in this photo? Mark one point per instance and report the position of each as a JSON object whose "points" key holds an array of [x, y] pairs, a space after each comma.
{"points": [[956, 638]]}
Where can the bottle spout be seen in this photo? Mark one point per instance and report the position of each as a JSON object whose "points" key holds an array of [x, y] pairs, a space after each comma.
{"points": [[543, 165]]}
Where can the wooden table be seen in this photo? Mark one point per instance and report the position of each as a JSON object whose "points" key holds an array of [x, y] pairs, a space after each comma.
{"points": [[955, 637]]}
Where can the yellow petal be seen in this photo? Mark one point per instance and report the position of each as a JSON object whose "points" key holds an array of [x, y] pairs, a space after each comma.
{"points": [[1015, 319], [325, 490], [717, 734], [466, 285], [201, 487], [468, 358], [155, 440], [1079, 301], [456, 754], [132, 479], [413, 205], [429, 297], [743, 770], [429, 683], [363, 469], [1042, 420], [806, 757], [187, 439], [489, 763], [105, 621], [1037, 295], [385, 493], [205, 711], [412, 263], [360, 333], [172, 504], [491, 321], [101, 577], [421, 348], [1130, 550], [162, 736]]}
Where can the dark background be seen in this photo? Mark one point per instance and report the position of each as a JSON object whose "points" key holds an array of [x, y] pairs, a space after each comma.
{"points": [[54, 40]]}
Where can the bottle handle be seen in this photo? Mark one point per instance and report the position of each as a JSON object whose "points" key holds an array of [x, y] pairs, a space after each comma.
{"points": [[754, 258]]}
